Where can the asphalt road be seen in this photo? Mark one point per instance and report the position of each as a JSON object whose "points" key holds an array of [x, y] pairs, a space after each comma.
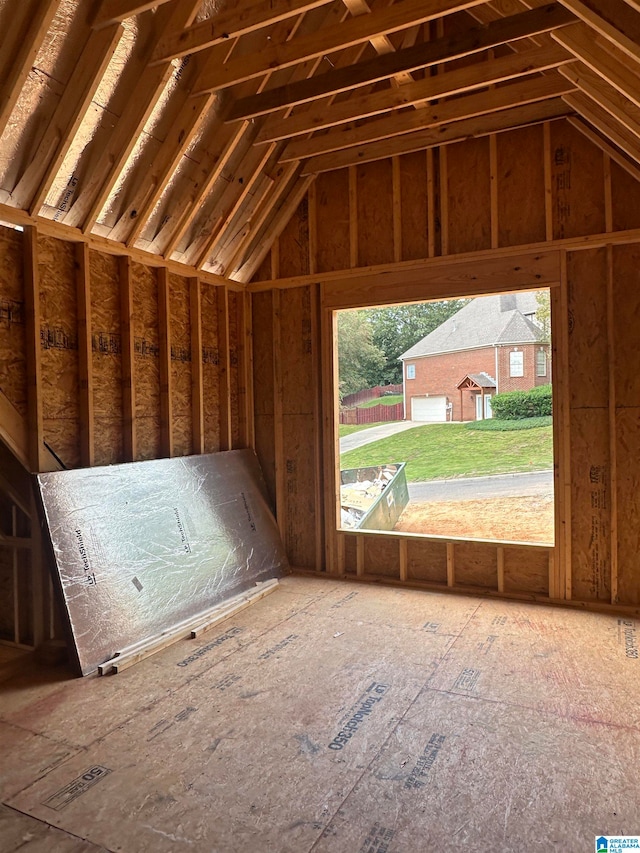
{"points": [[473, 488]]}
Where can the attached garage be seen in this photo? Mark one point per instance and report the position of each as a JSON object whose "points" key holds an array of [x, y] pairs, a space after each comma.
{"points": [[432, 409]]}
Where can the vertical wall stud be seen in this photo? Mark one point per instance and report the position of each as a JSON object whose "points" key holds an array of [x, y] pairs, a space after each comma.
{"points": [[613, 449], [431, 204], [444, 201], [451, 567], [35, 419], [500, 569], [548, 188], [85, 356], [278, 420], [313, 228], [353, 216], [128, 360], [164, 331], [397, 209], [403, 546], [197, 373], [224, 373], [493, 159], [247, 370]]}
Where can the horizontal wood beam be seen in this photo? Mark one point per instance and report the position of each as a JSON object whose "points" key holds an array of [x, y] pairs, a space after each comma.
{"points": [[239, 19], [460, 80], [116, 11], [424, 265], [12, 216], [437, 115], [474, 40], [445, 281], [507, 119], [352, 31]]}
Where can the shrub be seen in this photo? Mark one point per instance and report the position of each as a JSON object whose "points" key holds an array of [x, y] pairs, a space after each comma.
{"points": [[494, 425], [514, 405]]}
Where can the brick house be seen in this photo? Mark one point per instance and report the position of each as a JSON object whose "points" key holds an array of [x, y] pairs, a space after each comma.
{"points": [[493, 344]]}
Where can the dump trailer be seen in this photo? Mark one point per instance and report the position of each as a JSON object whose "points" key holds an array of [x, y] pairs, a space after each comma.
{"points": [[373, 498]]}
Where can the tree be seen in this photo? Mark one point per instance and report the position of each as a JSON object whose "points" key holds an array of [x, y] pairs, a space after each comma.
{"points": [[543, 312], [396, 328], [358, 357]]}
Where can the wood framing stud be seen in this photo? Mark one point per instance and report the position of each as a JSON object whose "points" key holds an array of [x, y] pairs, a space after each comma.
{"points": [[85, 357], [128, 359]]}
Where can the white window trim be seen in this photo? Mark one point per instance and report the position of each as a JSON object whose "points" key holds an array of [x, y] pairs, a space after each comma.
{"points": [[518, 372]]}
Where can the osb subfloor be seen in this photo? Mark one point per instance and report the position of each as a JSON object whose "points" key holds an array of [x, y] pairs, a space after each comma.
{"points": [[465, 724], [516, 519]]}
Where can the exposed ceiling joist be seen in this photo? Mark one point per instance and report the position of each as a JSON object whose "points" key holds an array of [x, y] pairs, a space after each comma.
{"points": [[116, 11], [238, 20], [455, 82], [446, 134], [327, 40], [197, 137], [504, 97], [475, 40]]}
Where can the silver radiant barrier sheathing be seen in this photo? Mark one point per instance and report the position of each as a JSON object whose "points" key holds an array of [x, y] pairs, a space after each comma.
{"points": [[143, 546]]}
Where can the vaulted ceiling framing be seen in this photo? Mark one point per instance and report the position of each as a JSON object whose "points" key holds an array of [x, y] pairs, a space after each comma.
{"points": [[191, 129]]}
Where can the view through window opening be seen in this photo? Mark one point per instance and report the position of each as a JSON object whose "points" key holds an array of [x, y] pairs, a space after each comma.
{"points": [[445, 418]]}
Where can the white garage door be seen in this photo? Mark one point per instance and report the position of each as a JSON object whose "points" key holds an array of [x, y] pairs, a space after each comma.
{"points": [[432, 409]]}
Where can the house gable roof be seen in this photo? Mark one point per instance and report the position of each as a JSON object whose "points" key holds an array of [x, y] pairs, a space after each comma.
{"points": [[485, 321], [479, 380]]}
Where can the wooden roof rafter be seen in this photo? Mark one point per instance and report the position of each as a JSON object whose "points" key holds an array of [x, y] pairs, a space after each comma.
{"points": [[215, 115]]}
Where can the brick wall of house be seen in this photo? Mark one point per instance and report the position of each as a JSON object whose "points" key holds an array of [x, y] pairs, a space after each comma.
{"points": [[529, 380], [438, 375]]}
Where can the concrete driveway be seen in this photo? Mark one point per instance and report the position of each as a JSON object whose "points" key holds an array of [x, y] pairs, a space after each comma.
{"points": [[367, 436]]}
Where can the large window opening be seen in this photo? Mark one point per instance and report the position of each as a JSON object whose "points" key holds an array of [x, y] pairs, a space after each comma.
{"points": [[445, 418]]}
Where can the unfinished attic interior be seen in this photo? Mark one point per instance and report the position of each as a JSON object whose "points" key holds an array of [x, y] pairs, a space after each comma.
{"points": [[189, 191]]}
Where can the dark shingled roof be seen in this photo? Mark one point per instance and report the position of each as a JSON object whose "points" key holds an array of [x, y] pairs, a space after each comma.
{"points": [[482, 380], [484, 321]]}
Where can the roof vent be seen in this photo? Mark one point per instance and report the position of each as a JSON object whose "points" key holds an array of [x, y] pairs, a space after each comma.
{"points": [[508, 302]]}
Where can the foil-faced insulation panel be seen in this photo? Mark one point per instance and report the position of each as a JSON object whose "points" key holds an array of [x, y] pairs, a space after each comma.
{"points": [[143, 546]]}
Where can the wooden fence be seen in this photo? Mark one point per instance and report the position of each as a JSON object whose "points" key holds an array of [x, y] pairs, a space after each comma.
{"points": [[372, 414], [370, 394]]}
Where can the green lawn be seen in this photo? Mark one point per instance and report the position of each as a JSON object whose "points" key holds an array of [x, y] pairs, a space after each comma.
{"points": [[389, 400], [437, 451]]}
